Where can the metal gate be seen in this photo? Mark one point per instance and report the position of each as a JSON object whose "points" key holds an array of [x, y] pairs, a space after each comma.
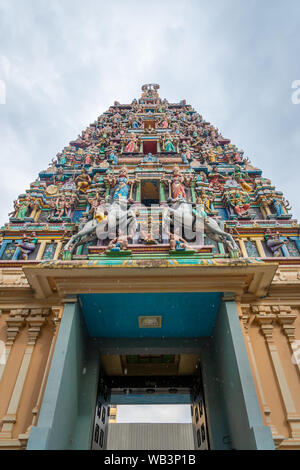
{"points": [[166, 388], [101, 416], [199, 417]]}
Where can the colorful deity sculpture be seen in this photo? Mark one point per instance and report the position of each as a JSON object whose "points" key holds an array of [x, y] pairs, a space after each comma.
{"points": [[216, 180], [119, 243], [60, 177], [132, 146], [61, 207], [239, 175], [207, 201], [177, 243], [176, 184], [28, 245], [121, 184], [199, 209], [83, 181], [168, 143], [23, 209], [240, 202], [187, 151], [201, 178], [273, 242], [281, 206]]}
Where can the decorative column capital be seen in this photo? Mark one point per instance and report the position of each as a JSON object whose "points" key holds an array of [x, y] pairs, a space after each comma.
{"points": [[265, 323], [35, 322], [15, 321]]}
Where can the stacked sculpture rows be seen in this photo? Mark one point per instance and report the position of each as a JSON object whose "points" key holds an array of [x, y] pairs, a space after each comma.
{"points": [[99, 189]]}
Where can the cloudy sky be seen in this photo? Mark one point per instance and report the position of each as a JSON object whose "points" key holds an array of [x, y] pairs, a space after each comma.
{"points": [[64, 62]]}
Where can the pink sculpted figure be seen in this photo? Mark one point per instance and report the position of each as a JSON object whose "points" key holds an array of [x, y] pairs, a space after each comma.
{"points": [[132, 145]]}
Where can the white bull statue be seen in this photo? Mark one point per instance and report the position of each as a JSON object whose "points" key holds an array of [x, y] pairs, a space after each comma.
{"points": [[105, 223], [180, 214]]}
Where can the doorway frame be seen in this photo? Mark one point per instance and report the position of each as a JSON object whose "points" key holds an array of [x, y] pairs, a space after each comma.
{"points": [[74, 373]]}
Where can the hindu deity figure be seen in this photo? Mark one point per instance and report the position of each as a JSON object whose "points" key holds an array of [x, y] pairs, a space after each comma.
{"points": [[237, 158], [83, 181], [60, 177], [62, 159], [61, 208], [119, 243], [176, 184], [240, 202], [88, 160], [113, 158], [132, 146], [164, 123], [102, 147], [187, 151], [121, 184], [177, 243], [27, 245], [216, 180], [280, 205], [212, 156], [199, 209], [273, 241], [201, 178], [168, 143], [239, 175], [207, 201], [23, 209]]}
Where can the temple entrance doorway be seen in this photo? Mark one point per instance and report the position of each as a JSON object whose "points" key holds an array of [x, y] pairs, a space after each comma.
{"points": [[174, 391]]}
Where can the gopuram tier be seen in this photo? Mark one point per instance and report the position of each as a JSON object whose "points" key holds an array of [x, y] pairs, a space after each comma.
{"points": [[153, 164]]}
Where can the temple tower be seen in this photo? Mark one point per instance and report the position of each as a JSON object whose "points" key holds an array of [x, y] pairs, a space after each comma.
{"points": [[150, 263]]}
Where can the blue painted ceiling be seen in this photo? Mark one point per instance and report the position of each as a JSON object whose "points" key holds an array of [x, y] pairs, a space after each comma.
{"points": [[184, 315]]}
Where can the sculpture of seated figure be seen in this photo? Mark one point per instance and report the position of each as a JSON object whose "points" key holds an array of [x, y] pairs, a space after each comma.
{"points": [[177, 243], [150, 158], [135, 125], [119, 243], [216, 180], [240, 202], [273, 241], [61, 207], [83, 181], [27, 245]]}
